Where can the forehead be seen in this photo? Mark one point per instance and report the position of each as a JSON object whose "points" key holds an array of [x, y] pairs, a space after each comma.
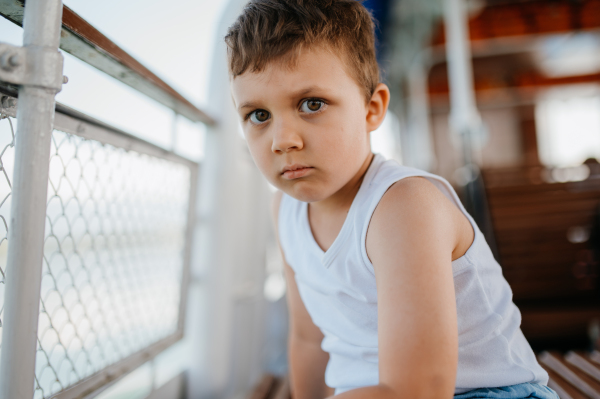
{"points": [[310, 69]]}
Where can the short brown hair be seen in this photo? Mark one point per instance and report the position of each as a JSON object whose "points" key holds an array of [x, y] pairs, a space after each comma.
{"points": [[274, 29]]}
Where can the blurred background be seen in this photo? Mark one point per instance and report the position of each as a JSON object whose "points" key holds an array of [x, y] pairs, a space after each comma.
{"points": [[158, 239]]}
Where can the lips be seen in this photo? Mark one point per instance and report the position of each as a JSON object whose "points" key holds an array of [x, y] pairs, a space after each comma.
{"points": [[295, 171]]}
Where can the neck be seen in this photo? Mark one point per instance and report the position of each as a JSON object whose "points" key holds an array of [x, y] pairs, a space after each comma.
{"points": [[342, 199]]}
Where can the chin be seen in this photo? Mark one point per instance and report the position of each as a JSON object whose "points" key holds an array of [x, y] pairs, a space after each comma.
{"points": [[304, 194]]}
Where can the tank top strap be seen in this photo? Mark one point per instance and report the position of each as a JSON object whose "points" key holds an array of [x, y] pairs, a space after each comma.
{"points": [[389, 172]]}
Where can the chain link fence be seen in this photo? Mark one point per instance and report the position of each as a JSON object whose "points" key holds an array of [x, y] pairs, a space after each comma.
{"points": [[113, 258], [7, 143], [114, 254]]}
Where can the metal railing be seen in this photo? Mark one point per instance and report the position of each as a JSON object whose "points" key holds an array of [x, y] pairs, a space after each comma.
{"points": [[7, 143], [85, 42], [100, 228], [116, 254]]}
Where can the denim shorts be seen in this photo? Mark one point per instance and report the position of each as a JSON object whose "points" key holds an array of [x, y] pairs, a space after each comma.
{"points": [[519, 391]]}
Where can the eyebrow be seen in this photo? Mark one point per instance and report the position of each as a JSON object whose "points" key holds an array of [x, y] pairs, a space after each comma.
{"points": [[298, 93], [247, 104], [308, 90]]}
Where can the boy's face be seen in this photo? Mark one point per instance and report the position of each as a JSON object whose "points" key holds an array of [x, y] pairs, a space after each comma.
{"points": [[306, 125]]}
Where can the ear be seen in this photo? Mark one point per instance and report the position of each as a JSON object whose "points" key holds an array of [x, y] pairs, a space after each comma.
{"points": [[377, 107]]}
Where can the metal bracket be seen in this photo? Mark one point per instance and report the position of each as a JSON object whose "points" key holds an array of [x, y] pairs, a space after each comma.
{"points": [[31, 66], [8, 106]]}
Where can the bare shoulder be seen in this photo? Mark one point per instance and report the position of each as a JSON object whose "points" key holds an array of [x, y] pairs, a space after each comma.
{"points": [[414, 211], [414, 196]]}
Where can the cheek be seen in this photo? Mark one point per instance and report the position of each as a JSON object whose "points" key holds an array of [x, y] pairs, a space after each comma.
{"points": [[350, 135], [260, 149]]}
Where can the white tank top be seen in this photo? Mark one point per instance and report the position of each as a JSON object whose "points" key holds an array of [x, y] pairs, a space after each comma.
{"points": [[339, 291]]}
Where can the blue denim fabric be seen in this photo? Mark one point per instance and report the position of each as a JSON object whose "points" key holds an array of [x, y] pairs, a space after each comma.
{"points": [[519, 391]]}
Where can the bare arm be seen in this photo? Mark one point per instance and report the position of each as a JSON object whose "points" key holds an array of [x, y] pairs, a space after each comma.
{"points": [[412, 239], [306, 358]]}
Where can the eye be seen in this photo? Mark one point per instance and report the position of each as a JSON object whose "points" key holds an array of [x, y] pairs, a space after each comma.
{"points": [[259, 116], [311, 105]]}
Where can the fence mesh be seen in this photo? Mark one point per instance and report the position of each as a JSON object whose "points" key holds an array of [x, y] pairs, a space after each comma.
{"points": [[113, 258], [7, 143]]}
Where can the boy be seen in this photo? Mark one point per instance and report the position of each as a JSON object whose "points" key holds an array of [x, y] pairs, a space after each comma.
{"points": [[392, 290]]}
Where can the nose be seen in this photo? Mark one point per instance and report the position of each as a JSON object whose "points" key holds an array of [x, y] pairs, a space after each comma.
{"points": [[286, 137]]}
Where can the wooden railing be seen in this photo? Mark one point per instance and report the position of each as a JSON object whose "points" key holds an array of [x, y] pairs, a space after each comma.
{"points": [[82, 40]]}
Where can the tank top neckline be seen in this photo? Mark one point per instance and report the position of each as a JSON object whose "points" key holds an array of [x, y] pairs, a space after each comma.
{"points": [[328, 256]]}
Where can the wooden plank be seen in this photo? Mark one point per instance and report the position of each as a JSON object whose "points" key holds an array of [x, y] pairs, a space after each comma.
{"points": [[550, 220], [80, 27], [562, 393], [564, 390], [522, 255], [543, 258], [595, 356], [553, 289], [508, 188], [583, 365], [556, 365], [522, 196], [595, 384], [518, 274], [585, 205]]}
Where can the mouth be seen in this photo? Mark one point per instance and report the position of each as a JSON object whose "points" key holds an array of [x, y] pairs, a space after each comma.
{"points": [[295, 171]]}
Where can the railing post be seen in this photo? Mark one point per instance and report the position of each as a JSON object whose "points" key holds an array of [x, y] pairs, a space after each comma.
{"points": [[35, 116], [465, 120]]}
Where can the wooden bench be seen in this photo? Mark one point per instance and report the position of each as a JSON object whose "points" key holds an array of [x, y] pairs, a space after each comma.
{"points": [[575, 375], [541, 232]]}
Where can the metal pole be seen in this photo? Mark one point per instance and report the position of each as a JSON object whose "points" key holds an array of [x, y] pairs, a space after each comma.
{"points": [[465, 121], [464, 117], [420, 153], [35, 116]]}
